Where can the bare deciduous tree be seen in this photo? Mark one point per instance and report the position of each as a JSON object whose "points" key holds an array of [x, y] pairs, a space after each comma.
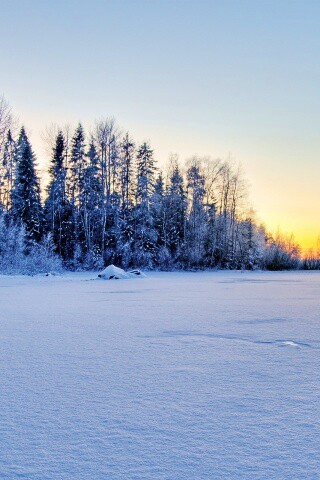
{"points": [[6, 121]]}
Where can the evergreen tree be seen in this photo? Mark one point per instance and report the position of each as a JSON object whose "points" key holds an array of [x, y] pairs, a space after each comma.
{"points": [[177, 214], [146, 175], [127, 148], [77, 164], [25, 195], [145, 234], [196, 225], [160, 213], [250, 241], [57, 207], [126, 211], [210, 245], [115, 162], [91, 204]]}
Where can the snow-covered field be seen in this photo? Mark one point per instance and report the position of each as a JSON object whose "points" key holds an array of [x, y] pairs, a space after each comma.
{"points": [[178, 376]]}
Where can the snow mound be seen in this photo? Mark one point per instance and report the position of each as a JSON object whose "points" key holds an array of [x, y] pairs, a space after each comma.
{"points": [[112, 272], [289, 343], [136, 273], [115, 273]]}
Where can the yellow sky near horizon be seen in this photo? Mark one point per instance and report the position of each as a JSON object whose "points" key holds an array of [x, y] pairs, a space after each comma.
{"points": [[289, 205]]}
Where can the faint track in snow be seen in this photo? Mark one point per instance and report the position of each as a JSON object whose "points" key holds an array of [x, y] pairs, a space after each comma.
{"points": [[212, 336]]}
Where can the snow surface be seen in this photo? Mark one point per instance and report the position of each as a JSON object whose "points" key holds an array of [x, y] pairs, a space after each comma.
{"points": [[180, 376]]}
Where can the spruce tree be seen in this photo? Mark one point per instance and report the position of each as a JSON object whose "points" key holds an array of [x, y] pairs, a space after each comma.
{"points": [[25, 196], [126, 212], [75, 180], [161, 222], [91, 204], [145, 174], [196, 225], [177, 213], [77, 164], [127, 148], [145, 233], [57, 207]]}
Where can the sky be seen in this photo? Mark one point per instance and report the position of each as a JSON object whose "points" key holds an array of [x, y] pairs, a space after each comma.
{"points": [[235, 79]]}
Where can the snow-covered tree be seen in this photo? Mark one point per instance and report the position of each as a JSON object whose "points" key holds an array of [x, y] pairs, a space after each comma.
{"points": [[196, 225], [177, 213], [145, 242], [77, 164], [91, 204], [6, 122], [58, 213], [7, 170], [146, 170], [127, 150], [25, 195]]}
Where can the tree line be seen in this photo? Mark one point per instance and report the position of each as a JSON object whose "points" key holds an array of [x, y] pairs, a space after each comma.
{"points": [[107, 201]]}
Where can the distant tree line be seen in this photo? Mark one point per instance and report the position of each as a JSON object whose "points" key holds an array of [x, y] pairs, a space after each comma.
{"points": [[107, 201]]}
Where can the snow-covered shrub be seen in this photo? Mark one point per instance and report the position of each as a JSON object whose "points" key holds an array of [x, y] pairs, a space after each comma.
{"points": [[41, 258], [108, 256], [15, 258], [311, 260], [142, 259], [77, 257], [93, 259], [126, 255], [282, 253], [164, 259], [12, 246]]}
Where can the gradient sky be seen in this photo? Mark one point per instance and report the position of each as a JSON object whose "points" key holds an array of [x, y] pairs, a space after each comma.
{"points": [[239, 78]]}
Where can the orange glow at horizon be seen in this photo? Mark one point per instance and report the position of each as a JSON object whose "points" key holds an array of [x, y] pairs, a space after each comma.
{"points": [[303, 228]]}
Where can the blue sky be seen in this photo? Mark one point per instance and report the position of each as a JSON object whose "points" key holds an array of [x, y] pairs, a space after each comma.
{"points": [[237, 78]]}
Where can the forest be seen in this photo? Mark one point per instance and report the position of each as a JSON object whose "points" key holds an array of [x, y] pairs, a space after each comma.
{"points": [[108, 201]]}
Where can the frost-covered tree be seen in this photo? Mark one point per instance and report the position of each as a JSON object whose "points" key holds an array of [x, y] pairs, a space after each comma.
{"points": [[145, 234], [25, 195], [77, 164], [124, 225], [177, 213], [159, 211], [12, 244], [250, 244], [106, 139], [6, 121], [196, 225], [282, 253], [146, 170], [7, 170], [127, 150], [91, 205], [57, 206], [311, 259], [6, 124]]}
